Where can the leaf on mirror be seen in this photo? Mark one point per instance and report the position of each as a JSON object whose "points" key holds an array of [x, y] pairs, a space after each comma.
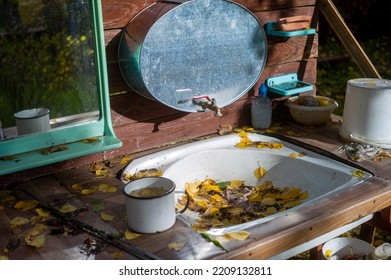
{"points": [[54, 149], [90, 140]]}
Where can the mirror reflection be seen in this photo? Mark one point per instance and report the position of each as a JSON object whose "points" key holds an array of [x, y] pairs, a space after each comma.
{"points": [[47, 65]]}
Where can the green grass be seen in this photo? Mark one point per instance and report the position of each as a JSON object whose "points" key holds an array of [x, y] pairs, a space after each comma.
{"points": [[333, 76]]}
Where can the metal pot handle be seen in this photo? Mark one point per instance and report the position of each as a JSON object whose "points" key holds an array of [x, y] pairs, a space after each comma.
{"points": [[187, 202]]}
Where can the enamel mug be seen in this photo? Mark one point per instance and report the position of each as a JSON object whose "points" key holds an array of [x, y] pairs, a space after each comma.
{"points": [[150, 204]]}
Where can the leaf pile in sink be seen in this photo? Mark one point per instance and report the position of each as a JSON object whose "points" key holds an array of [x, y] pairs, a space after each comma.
{"points": [[232, 202]]}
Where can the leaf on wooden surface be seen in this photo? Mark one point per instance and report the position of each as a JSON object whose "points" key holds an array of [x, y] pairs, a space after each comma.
{"points": [[36, 219], [67, 208], [116, 255], [97, 205], [177, 246], [18, 221], [106, 188], [129, 235], [37, 241], [87, 191], [125, 160], [106, 217], [42, 212], [77, 187], [26, 205]]}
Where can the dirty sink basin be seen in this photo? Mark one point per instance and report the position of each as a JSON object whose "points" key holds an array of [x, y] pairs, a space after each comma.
{"points": [[218, 159]]}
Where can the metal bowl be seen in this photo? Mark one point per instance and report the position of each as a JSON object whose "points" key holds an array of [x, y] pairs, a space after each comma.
{"points": [[311, 115]]}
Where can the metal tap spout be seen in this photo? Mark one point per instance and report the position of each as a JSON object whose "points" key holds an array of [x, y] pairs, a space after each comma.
{"points": [[207, 103]]}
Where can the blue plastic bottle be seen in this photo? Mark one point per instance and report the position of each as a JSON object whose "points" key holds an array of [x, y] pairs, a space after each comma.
{"points": [[261, 110]]}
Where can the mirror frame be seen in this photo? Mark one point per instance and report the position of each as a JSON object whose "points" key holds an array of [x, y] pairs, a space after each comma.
{"points": [[89, 137]]}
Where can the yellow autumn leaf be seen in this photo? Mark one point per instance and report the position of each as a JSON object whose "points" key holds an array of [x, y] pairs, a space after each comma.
{"points": [[106, 217], [41, 212], [268, 201], [67, 208], [18, 221], [76, 187], [235, 184], [1, 207], [26, 205], [90, 140], [129, 235], [88, 191], [238, 235], [271, 210], [304, 195], [359, 173], [270, 145], [259, 172], [35, 241], [296, 155], [177, 246], [242, 134], [291, 204], [106, 188], [36, 230], [36, 219], [116, 255], [101, 172], [328, 254], [125, 160]]}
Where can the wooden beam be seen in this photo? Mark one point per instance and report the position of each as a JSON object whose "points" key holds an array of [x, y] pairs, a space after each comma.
{"points": [[343, 32]]}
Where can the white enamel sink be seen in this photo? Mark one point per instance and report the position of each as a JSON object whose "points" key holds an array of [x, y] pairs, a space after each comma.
{"points": [[218, 159]]}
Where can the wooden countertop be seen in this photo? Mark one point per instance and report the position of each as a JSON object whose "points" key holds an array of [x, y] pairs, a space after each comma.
{"points": [[265, 240]]}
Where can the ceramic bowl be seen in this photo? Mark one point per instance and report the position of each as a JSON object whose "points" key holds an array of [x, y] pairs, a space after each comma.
{"points": [[310, 115]]}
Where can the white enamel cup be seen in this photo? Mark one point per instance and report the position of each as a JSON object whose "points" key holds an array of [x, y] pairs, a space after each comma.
{"points": [[151, 214], [32, 121]]}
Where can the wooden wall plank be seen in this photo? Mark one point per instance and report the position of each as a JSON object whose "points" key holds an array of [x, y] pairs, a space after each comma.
{"points": [[117, 13]]}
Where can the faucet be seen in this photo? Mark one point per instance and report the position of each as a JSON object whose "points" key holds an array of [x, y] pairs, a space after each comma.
{"points": [[209, 104]]}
